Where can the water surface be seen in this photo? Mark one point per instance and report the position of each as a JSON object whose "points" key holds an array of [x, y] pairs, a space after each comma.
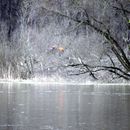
{"points": [[60, 107]]}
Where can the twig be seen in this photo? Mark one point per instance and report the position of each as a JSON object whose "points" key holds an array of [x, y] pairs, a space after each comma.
{"points": [[65, 32], [127, 11]]}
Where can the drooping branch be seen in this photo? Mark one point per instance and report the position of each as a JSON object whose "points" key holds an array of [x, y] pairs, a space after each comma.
{"points": [[94, 69], [111, 60], [88, 69], [71, 30]]}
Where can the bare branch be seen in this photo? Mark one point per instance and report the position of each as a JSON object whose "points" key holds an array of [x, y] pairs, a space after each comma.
{"points": [[115, 70], [111, 60], [88, 68], [125, 10], [74, 28]]}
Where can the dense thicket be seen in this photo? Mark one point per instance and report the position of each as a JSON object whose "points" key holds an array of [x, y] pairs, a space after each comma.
{"points": [[89, 33]]}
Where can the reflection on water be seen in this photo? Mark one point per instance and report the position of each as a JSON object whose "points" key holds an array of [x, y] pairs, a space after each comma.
{"points": [[31, 107]]}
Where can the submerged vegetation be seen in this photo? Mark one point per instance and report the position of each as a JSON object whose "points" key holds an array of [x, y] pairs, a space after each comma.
{"points": [[68, 38]]}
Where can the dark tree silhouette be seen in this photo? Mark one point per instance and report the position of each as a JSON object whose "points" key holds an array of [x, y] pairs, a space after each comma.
{"points": [[10, 11]]}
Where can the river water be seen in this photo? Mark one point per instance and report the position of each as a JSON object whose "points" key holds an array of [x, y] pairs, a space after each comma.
{"points": [[61, 107]]}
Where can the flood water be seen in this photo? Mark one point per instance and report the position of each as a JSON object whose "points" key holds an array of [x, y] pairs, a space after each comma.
{"points": [[60, 107]]}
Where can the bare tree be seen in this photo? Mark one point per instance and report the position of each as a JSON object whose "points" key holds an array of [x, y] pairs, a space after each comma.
{"points": [[29, 43], [104, 30]]}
